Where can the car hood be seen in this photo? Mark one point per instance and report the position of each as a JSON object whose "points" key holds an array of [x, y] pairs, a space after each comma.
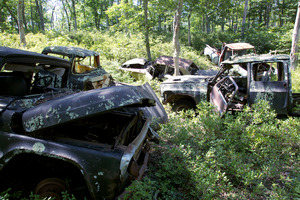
{"points": [[84, 105]]}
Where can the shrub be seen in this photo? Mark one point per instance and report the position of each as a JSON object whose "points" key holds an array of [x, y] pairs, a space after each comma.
{"points": [[252, 155]]}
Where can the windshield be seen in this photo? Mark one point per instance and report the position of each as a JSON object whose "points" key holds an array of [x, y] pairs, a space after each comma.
{"points": [[83, 65]]}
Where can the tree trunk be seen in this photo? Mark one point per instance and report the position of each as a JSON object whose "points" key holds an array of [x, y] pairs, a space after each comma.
{"points": [[107, 19], [176, 28], [31, 16], [52, 16], [74, 15], [67, 15], [40, 12], [189, 28], [147, 29], [11, 13], [223, 24], [244, 19], [20, 23], [23, 15], [159, 22], [295, 39], [249, 15], [236, 24], [207, 24]]}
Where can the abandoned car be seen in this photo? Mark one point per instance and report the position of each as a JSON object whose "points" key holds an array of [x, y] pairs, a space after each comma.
{"points": [[53, 139], [217, 56], [239, 82], [140, 67], [85, 73]]}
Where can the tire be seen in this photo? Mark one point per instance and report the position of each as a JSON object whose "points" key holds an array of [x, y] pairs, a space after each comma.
{"points": [[182, 104], [51, 187]]}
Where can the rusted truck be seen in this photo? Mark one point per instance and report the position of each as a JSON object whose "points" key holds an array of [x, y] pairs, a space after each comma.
{"points": [[217, 56], [240, 81]]}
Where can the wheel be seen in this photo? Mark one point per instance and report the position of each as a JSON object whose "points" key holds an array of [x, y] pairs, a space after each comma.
{"points": [[51, 187], [182, 104]]}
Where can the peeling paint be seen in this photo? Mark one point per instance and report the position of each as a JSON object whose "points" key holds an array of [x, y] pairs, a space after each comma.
{"points": [[38, 147], [34, 123]]}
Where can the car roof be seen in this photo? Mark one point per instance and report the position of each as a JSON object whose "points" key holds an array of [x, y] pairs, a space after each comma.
{"points": [[11, 55], [70, 51], [140, 61], [169, 60], [256, 58], [240, 46]]}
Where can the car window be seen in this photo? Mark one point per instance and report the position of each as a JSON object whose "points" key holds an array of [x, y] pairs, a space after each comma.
{"points": [[83, 65], [268, 72]]}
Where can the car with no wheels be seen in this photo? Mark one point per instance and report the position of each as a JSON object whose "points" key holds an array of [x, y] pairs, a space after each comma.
{"points": [[160, 68], [85, 71]]}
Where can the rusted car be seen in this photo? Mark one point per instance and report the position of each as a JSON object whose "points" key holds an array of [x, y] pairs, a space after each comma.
{"points": [[217, 56], [240, 81], [162, 66], [85, 72], [53, 139]]}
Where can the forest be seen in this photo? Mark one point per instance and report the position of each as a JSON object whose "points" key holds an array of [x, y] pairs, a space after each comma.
{"points": [[201, 155], [259, 22]]}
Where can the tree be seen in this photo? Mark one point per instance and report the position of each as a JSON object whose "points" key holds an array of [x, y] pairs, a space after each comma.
{"points": [[147, 29], [40, 12], [176, 28], [244, 18], [74, 15], [20, 22], [295, 39], [67, 15]]}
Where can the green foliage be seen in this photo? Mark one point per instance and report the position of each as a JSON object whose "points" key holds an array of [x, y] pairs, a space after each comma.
{"points": [[252, 155], [8, 194], [296, 80]]}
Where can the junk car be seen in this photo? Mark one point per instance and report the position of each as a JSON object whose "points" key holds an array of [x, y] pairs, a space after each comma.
{"points": [[241, 81], [162, 66], [85, 72], [53, 139], [217, 56]]}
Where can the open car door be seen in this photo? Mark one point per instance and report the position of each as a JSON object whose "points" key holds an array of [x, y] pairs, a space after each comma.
{"points": [[223, 93]]}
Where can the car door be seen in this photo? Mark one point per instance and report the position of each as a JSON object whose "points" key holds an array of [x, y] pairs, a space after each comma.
{"points": [[222, 94], [269, 81]]}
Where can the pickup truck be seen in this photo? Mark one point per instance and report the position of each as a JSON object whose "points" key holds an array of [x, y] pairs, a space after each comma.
{"points": [[217, 56], [241, 81]]}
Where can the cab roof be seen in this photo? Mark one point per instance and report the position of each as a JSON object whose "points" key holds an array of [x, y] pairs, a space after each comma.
{"points": [[256, 58], [18, 56], [240, 46], [70, 51]]}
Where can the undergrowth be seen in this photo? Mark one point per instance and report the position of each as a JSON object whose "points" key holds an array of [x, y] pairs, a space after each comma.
{"points": [[252, 155]]}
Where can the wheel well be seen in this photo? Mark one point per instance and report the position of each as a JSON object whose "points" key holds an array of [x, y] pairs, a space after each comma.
{"points": [[173, 98], [25, 171]]}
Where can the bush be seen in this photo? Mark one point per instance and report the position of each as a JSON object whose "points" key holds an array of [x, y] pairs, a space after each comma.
{"points": [[252, 155]]}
